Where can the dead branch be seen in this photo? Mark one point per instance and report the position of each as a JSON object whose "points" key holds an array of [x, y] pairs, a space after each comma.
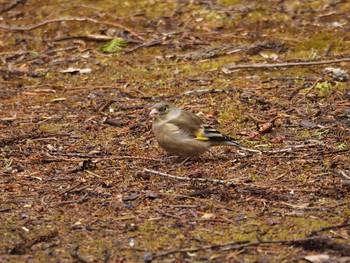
{"points": [[89, 37], [153, 42], [202, 91], [306, 207], [80, 258], [19, 139], [281, 65], [284, 150], [22, 247], [97, 38], [12, 55], [255, 119], [205, 191], [166, 214], [70, 189], [312, 87], [291, 149], [14, 73], [189, 250], [212, 52], [8, 5], [181, 178], [241, 245], [343, 173], [72, 19], [287, 79], [78, 157], [312, 233]]}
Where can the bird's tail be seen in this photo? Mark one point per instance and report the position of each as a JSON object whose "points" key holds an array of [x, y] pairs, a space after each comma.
{"points": [[228, 141], [224, 140], [216, 138]]}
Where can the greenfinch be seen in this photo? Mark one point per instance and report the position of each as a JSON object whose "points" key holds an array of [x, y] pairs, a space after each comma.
{"points": [[182, 133]]}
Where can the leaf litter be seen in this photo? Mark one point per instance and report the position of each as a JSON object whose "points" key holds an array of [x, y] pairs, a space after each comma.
{"points": [[82, 177]]}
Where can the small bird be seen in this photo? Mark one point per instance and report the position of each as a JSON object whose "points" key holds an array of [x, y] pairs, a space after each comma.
{"points": [[182, 133]]}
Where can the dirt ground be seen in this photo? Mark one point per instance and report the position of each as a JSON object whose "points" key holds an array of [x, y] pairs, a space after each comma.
{"points": [[82, 178]]}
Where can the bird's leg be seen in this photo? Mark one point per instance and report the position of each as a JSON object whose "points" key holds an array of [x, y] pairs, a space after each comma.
{"points": [[184, 161], [177, 159], [170, 158]]}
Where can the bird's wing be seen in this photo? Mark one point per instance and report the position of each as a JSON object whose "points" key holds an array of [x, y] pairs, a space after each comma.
{"points": [[188, 123]]}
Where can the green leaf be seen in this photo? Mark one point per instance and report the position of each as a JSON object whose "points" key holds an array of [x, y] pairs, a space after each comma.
{"points": [[114, 46]]}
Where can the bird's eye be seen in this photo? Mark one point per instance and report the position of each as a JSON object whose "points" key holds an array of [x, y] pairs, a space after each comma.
{"points": [[164, 108]]}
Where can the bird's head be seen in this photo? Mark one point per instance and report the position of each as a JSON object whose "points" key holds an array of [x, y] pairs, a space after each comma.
{"points": [[163, 111]]}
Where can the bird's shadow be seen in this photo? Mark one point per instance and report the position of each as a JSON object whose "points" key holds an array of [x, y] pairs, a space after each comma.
{"points": [[205, 158]]}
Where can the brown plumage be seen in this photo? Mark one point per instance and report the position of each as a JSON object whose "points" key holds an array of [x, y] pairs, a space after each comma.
{"points": [[182, 133]]}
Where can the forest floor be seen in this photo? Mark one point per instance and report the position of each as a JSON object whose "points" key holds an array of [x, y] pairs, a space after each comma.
{"points": [[82, 178]]}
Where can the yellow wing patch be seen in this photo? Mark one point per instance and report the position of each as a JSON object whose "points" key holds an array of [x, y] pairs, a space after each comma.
{"points": [[200, 137]]}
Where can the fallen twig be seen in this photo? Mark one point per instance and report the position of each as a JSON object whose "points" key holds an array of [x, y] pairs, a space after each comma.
{"points": [[287, 64], [287, 79], [19, 139], [166, 214], [217, 51], [312, 233], [14, 73], [70, 189], [22, 247], [82, 157], [89, 37], [255, 119], [8, 5], [240, 245], [71, 19], [13, 55], [181, 178], [311, 88], [150, 43], [306, 207], [201, 91], [284, 150], [189, 250], [343, 173], [76, 255]]}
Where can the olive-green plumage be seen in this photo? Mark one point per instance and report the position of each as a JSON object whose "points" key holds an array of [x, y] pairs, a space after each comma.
{"points": [[182, 133]]}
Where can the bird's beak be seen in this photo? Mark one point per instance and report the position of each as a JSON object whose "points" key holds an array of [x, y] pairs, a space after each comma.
{"points": [[153, 113]]}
